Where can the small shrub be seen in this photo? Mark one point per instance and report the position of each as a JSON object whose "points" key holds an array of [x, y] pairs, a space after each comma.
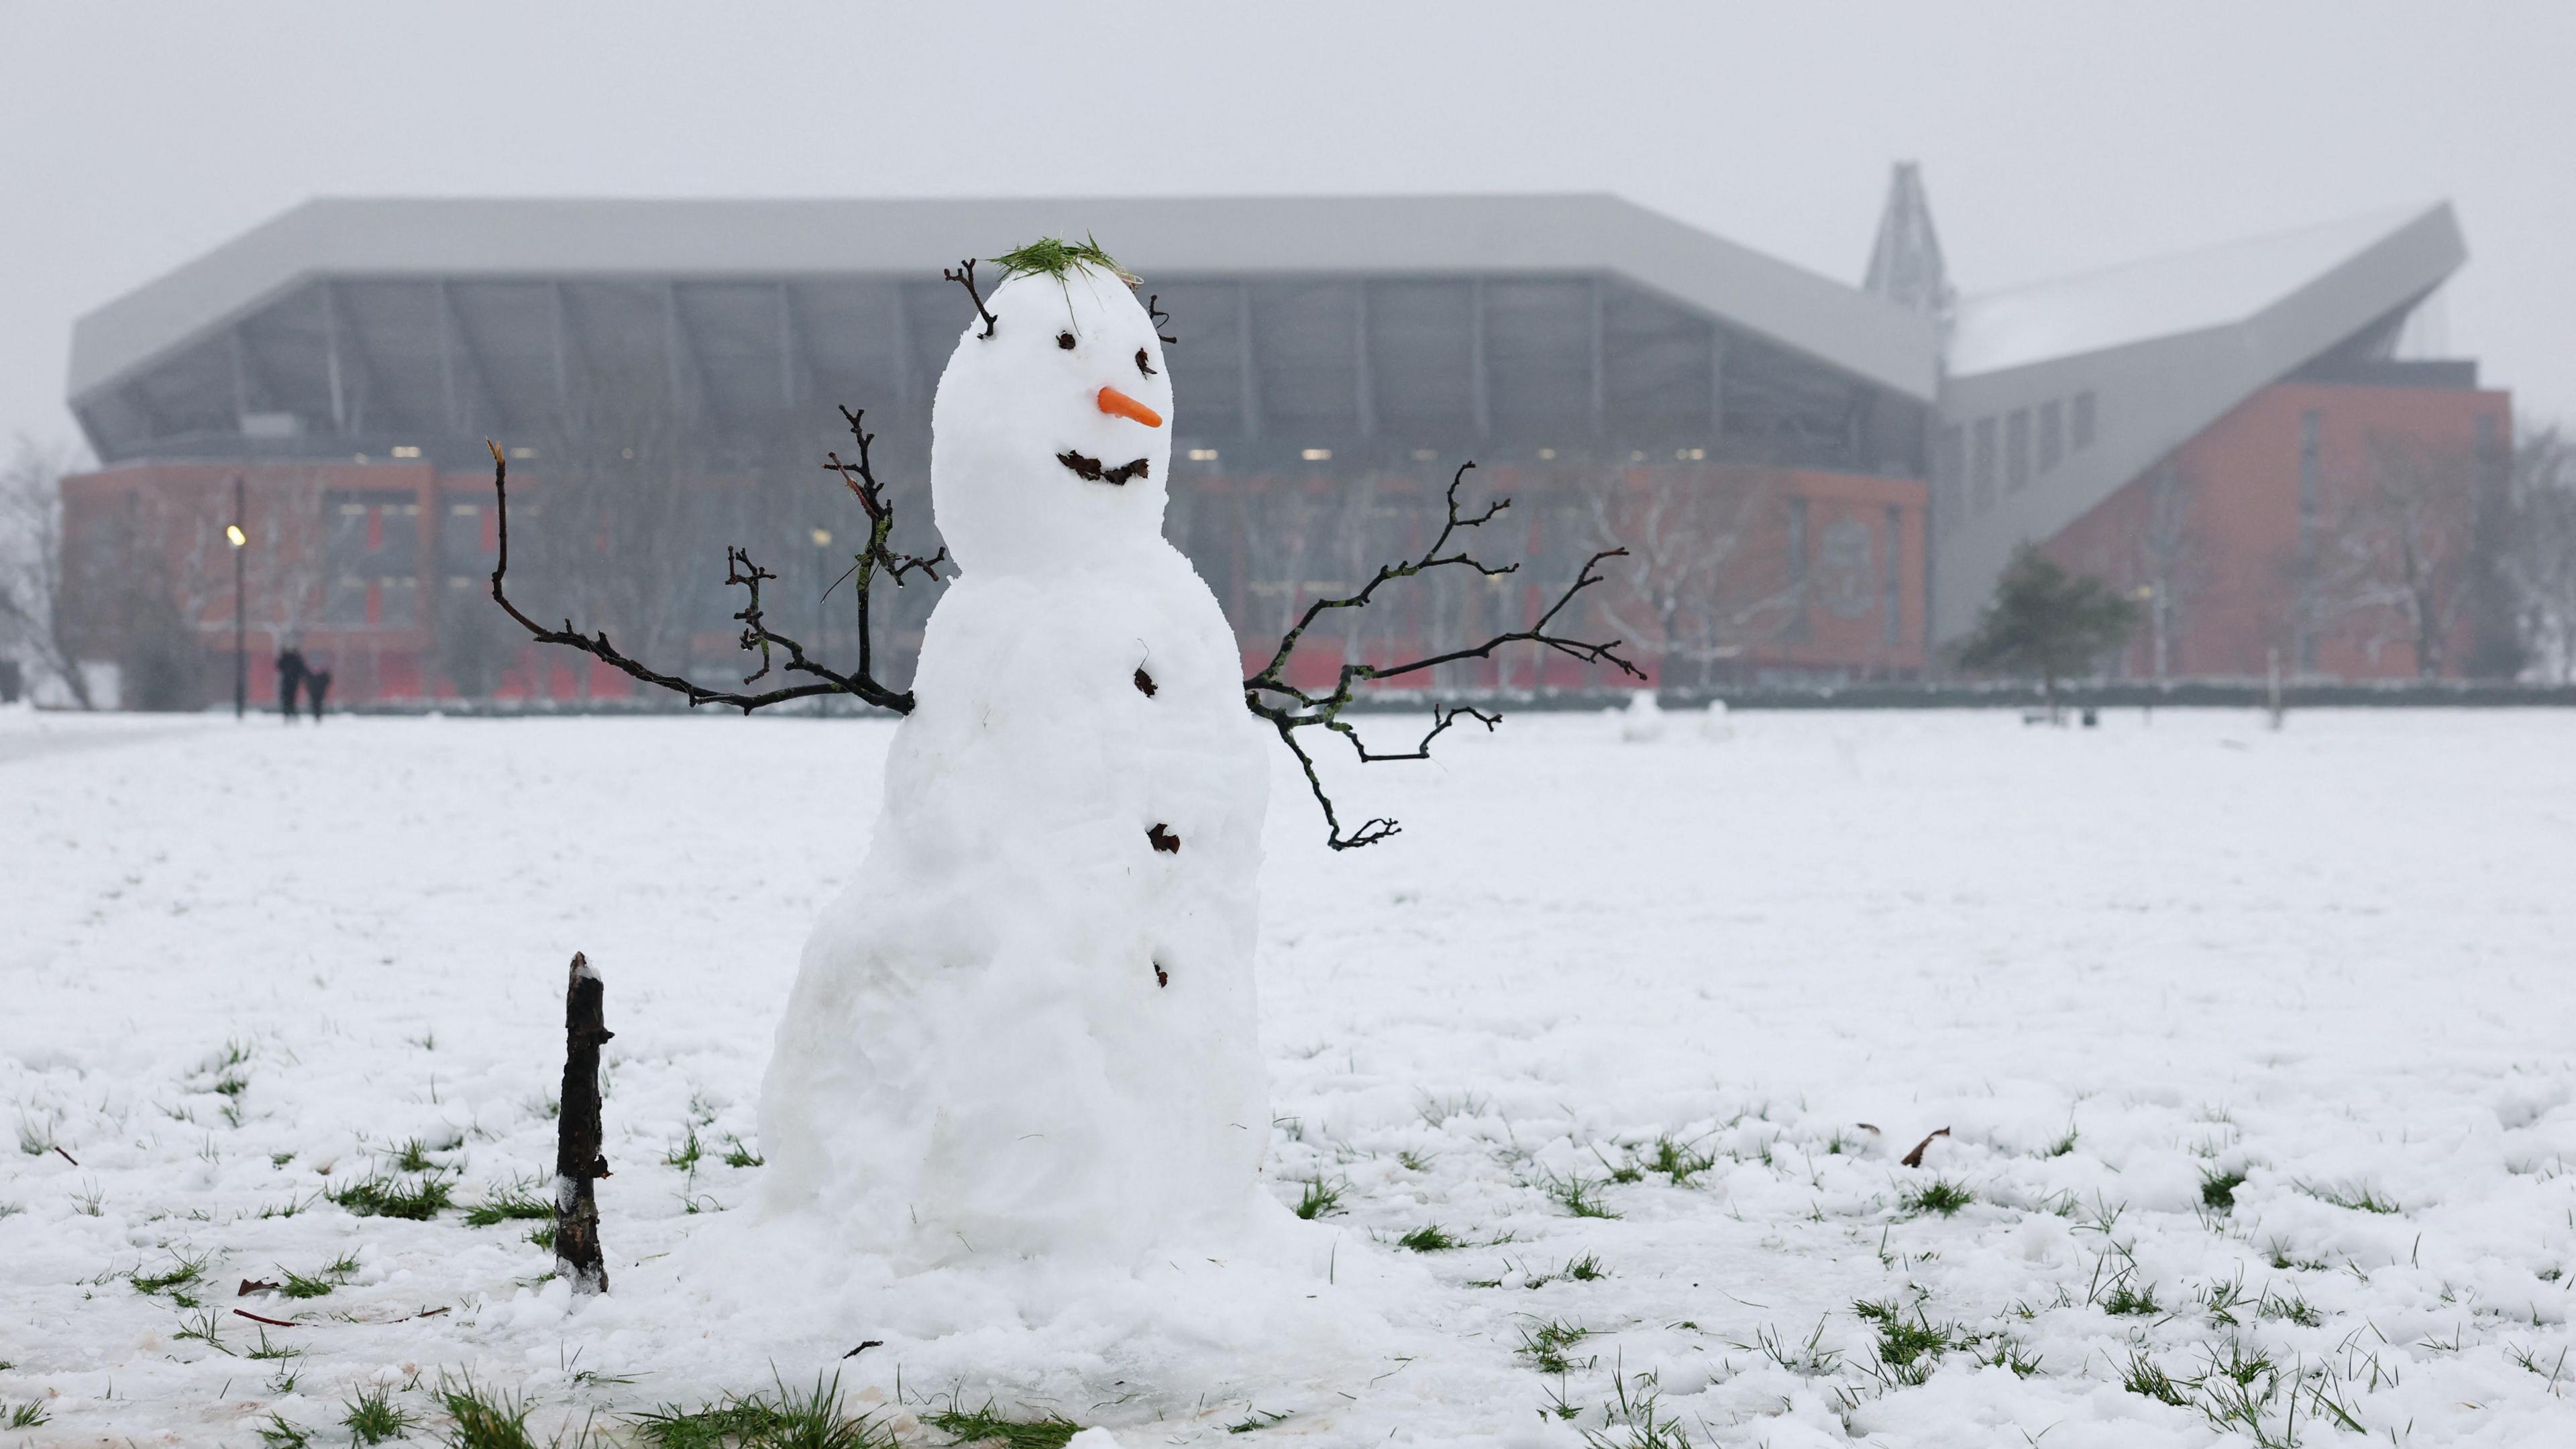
{"points": [[1429, 1238]]}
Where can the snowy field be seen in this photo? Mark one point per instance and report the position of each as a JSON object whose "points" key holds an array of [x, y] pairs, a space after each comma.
{"points": [[2254, 1053]]}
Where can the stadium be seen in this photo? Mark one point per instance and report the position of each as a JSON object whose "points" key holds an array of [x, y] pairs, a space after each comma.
{"points": [[1818, 482]]}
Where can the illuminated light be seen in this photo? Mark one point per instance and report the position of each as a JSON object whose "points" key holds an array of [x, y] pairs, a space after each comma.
{"points": [[523, 452], [1425, 455], [626, 453], [1637, 457], [233, 532], [406, 452], [822, 538], [1548, 453], [1699, 455], [1202, 455], [1317, 455]]}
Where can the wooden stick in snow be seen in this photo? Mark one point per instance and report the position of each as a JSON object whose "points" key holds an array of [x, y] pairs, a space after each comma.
{"points": [[578, 1160]]}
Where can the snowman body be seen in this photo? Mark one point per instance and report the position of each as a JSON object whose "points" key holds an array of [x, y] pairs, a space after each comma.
{"points": [[1028, 1026]]}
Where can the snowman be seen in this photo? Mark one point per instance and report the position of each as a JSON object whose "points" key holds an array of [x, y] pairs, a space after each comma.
{"points": [[1028, 1028]]}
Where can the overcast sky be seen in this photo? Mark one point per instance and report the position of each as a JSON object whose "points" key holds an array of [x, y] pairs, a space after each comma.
{"points": [[2054, 137]]}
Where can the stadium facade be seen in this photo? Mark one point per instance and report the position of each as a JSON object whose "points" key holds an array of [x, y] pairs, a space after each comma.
{"points": [[1817, 481]]}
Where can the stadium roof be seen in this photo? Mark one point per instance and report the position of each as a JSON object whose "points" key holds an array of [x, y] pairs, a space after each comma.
{"points": [[1807, 313], [2196, 290]]}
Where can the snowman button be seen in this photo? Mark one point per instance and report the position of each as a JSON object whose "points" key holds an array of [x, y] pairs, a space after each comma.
{"points": [[1163, 839], [1144, 682]]}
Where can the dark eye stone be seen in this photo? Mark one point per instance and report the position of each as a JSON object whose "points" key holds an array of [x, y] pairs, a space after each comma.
{"points": [[1064, 340], [1142, 365]]}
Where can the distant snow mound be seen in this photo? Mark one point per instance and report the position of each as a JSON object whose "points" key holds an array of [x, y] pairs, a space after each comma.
{"points": [[1643, 723]]}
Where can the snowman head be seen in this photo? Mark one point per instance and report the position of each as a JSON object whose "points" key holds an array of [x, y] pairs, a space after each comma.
{"points": [[1051, 436]]}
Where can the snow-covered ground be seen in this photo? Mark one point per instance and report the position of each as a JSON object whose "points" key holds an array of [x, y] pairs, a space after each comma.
{"points": [[1610, 1014]]}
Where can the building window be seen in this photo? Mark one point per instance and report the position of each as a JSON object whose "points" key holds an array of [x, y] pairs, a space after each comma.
{"points": [[2052, 434], [1981, 466], [1949, 467], [2083, 421], [1798, 568], [1891, 611], [2017, 450]]}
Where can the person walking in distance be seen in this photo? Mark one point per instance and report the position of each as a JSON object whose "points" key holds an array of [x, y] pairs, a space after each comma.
{"points": [[317, 683], [291, 676]]}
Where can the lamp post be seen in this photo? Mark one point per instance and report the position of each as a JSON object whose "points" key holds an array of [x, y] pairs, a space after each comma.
{"points": [[822, 540], [234, 535]]}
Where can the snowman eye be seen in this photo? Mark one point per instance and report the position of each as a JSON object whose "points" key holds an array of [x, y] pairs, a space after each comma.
{"points": [[1142, 365], [1064, 340]]}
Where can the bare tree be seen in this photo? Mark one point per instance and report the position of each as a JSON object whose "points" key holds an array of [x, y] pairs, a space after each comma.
{"points": [[2399, 559], [34, 570], [1688, 536], [2539, 562]]}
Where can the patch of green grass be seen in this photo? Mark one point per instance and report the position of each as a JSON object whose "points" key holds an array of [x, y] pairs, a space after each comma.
{"points": [[543, 1237], [988, 1426], [1318, 1199], [484, 1420], [685, 1156], [1430, 1238], [1940, 1195], [1586, 1269], [383, 1197], [2279, 1251], [206, 1329], [1052, 256], [784, 1418], [1544, 1344], [2293, 1306], [267, 1349], [738, 1155], [183, 1270], [2361, 1199], [2145, 1379], [1908, 1349], [412, 1154], [2218, 1189], [506, 1204], [1577, 1195], [2013, 1356], [372, 1417], [2063, 1145], [1257, 1419], [281, 1432], [2127, 1300], [1678, 1160], [29, 1415]]}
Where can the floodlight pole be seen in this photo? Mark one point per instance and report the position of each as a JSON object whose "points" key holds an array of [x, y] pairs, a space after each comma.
{"points": [[241, 605]]}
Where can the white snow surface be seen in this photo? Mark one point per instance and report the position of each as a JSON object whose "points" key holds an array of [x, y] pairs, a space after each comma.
{"points": [[1028, 1026], [2114, 963]]}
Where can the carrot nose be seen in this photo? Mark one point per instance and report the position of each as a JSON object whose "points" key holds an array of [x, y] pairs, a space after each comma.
{"points": [[1119, 405]]}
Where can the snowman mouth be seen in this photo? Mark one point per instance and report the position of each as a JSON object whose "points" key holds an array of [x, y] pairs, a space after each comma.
{"points": [[1087, 467]]}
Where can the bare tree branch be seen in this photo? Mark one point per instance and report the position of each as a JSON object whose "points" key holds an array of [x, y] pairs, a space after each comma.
{"points": [[757, 636], [963, 274], [1290, 709]]}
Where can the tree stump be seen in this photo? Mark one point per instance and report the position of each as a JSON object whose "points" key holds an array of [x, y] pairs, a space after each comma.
{"points": [[578, 1160]]}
